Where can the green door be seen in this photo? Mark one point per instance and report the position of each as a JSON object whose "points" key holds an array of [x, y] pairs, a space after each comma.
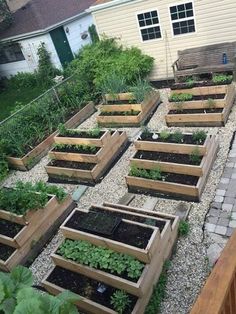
{"points": [[62, 45]]}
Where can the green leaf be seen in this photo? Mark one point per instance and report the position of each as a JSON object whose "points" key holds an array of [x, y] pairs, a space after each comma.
{"points": [[29, 306], [22, 276], [8, 284], [68, 296], [8, 306], [67, 308], [50, 304], [2, 292], [26, 293]]}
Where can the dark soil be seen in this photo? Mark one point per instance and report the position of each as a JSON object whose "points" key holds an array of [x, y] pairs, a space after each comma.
{"points": [[9, 229], [126, 233], [6, 251], [86, 287], [187, 139], [149, 221], [99, 223], [82, 135], [121, 102], [180, 178], [166, 157], [120, 113], [198, 84], [76, 150], [189, 111], [202, 97], [72, 164]]}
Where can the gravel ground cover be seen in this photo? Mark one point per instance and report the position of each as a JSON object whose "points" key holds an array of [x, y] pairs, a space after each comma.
{"points": [[189, 263]]}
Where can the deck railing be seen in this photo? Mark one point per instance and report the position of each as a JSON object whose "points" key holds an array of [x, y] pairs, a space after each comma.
{"points": [[218, 296]]}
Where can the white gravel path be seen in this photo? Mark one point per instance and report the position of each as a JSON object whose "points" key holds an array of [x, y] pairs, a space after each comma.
{"points": [[189, 266]]}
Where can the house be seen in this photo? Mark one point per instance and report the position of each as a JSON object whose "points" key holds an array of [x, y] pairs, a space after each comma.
{"points": [[61, 25], [162, 28]]}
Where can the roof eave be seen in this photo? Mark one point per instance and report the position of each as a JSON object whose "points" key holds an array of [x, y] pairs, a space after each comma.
{"points": [[44, 31], [110, 4]]}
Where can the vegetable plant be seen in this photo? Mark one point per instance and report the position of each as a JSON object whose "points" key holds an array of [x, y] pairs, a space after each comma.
{"points": [[211, 103], [153, 174], [18, 296], [195, 156], [177, 136], [199, 137], [120, 300], [190, 82], [180, 97], [222, 78], [164, 135], [141, 90], [114, 84], [105, 259]]}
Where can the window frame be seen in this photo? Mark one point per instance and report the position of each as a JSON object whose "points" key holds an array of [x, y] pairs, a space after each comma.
{"points": [[144, 27], [183, 19], [7, 47]]}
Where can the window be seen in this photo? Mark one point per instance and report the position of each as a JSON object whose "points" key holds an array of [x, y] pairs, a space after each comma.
{"points": [[182, 17], [11, 53], [149, 25]]}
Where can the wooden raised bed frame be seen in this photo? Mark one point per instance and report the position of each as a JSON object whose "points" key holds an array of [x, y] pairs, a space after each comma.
{"points": [[35, 234], [190, 192], [146, 108], [141, 287], [203, 119], [144, 255], [31, 158], [113, 146]]}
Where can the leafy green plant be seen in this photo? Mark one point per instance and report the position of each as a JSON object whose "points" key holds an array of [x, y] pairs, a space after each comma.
{"points": [[184, 228], [199, 137], [177, 136], [190, 82], [211, 103], [159, 292], [114, 84], [95, 132], [18, 296], [153, 174], [164, 135], [3, 164], [141, 90], [195, 156], [98, 257], [222, 78], [120, 300], [180, 97]]}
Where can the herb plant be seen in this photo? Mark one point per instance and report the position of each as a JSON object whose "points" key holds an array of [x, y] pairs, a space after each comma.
{"points": [[141, 90], [180, 97], [98, 257], [114, 84], [195, 156], [154, 174], [222, 78], [190, 82], [177, 137], [199, 137], [211, 103], [164, 135], [120, 301], [18, 296]]}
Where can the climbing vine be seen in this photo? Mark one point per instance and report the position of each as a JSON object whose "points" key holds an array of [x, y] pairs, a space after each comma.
{"points": [[5, 15]]}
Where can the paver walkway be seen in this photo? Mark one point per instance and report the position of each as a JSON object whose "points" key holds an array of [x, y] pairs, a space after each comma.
{"points": [[221, 218]]}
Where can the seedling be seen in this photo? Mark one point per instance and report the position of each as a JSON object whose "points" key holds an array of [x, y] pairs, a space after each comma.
{"points": [[120, 300], [195, 156], [177, 137], [164, 135], [211, 103], [199, 137]]}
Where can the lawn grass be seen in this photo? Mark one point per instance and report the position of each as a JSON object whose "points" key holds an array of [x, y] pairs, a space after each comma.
{"points": [[10, 97]]}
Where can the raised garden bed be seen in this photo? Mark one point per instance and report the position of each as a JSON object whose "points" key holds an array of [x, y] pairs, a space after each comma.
{"points": [[171, 169], [72, 271], [209, 106], [120, 112], [20, 232], [32, 157], [83, 166]]}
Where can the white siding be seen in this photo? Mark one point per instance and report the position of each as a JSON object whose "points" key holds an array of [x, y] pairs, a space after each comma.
{"points": [[215, 23], [76, 29], [29, 48]]}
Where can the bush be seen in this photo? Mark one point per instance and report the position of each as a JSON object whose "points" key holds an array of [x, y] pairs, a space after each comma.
{"points": [[96, 62], [21, 80]]}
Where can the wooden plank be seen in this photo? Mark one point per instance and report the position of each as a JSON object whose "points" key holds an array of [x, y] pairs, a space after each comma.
{"points": [[41, 150], [217, 288], [99, 142], [162, 187], [168, 166], [177, 148], [69, 173], [123, 107], [197, 104], [119, 97], [204, 90]]}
